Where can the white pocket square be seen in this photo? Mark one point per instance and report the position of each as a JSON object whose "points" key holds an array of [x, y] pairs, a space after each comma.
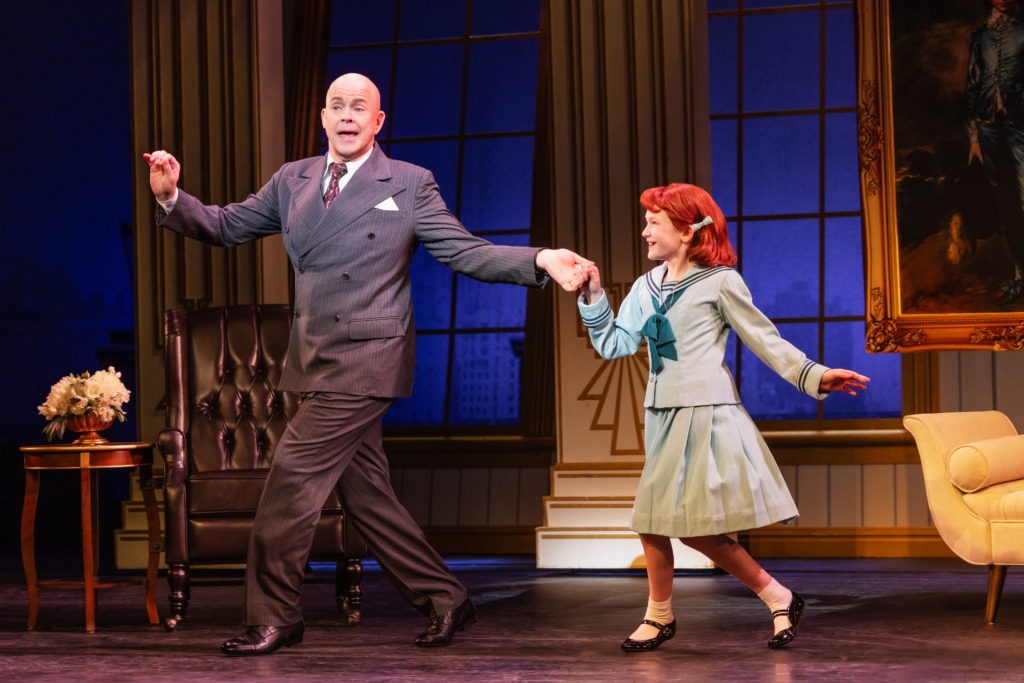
{"points": [[387, 205]]}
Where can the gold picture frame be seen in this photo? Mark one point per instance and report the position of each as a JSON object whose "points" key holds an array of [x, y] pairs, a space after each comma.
{"points": [[930, 284]]}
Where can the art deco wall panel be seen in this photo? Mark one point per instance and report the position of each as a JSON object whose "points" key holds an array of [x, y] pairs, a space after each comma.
{"points": [[627, 110]]}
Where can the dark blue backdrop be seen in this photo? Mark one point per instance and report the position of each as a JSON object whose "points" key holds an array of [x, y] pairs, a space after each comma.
{"points": [[65, 201]]}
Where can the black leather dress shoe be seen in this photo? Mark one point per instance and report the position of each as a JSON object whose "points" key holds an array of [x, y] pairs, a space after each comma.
{"points": [[443, 627], [665, 632], [263, 640], [794, 612]]}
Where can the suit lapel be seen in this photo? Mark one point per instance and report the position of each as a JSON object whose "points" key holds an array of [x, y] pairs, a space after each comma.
{"points": [[309, 209], [369, 186]]}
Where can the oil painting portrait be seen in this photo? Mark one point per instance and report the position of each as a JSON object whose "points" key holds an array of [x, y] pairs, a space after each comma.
{"points": [[943, 172]]}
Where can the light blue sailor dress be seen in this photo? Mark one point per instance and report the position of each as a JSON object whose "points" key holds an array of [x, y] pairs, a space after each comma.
{"points": [[708, 470]]}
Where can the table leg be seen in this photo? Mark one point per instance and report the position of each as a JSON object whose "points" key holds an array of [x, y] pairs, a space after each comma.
{"points": [[28, 549], [94, 483], [88, 551], [155, 546]]}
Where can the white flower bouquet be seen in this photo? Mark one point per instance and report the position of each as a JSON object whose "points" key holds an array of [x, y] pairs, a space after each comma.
{"points": [[100, 395]]}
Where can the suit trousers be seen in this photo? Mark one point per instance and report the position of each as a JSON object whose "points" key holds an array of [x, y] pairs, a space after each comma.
{"points": [[335, 440]]}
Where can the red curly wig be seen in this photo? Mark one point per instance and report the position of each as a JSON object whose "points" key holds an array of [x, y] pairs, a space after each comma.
{"points": [[688, 204]]}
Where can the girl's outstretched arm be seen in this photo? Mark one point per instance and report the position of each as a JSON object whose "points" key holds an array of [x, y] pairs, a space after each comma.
{"points": [[612, 337]]}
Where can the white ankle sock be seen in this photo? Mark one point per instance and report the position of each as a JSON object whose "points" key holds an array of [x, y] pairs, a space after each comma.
{"points": [[660, 612], [777, 597]]}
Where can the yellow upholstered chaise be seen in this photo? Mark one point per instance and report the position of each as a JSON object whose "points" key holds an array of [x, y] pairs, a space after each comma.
{"points": [[974, 478]]}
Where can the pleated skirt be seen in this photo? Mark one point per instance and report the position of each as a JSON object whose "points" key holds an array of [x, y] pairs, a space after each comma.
{"points": [[708, 471]]}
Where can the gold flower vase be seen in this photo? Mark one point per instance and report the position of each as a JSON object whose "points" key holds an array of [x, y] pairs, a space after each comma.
{"points": [[89, 427]]}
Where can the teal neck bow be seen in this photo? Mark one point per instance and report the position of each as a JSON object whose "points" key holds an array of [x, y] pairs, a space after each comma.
{"points": [[660, 338]]}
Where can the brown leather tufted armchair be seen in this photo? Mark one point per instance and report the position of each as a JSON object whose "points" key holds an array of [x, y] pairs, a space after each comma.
{"points": [[225, 417]]}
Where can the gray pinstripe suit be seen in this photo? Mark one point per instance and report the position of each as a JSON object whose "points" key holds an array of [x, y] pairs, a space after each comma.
{"points": [[351, 353]]}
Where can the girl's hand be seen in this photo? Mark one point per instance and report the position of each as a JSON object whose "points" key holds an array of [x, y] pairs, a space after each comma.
{"points": [[563, 266], [591, 284], [837, 379]]}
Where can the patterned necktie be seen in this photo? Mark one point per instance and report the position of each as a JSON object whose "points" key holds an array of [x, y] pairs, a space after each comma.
{"points": [[337, 170]]}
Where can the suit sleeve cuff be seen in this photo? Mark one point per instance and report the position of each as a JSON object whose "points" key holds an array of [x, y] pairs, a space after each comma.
{"points": [[540, 273]]}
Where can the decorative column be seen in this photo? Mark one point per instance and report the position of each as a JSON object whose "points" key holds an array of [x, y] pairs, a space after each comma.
{"points": [[626, 109]]}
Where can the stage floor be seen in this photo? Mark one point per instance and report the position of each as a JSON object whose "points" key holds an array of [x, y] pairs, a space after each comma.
{"points": [[866, 619]]}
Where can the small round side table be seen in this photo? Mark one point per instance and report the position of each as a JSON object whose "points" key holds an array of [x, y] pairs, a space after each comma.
{"points": [[88, 459]]}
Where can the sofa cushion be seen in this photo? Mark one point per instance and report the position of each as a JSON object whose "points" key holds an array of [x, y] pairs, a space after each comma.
{"points": [[976, 465], [999, 502]]}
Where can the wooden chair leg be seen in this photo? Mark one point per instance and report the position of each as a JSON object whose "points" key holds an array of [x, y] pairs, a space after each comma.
{"points": [[349, 593], [996, 577], [179, 581]]}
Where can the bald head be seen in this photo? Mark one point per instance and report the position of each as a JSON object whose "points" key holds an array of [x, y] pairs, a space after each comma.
{"points": [[352, 117], [355, 84]]}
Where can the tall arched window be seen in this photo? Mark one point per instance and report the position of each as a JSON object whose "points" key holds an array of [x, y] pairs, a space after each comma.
{"points": [[784, 145], [458, 81]]}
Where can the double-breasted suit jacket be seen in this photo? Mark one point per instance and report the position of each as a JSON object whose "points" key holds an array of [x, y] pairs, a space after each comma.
{"points": [[352, 351], [353, 330]]}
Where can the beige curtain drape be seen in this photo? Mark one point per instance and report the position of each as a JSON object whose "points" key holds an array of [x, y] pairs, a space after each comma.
{"points": [[209, 84]]}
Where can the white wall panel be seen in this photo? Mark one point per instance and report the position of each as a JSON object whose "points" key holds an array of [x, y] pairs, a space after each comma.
{"points": [[534, 484], [812, 494], [1009, 380], [879, 495], [911, 500], [503, 506], [845, 500], [476, 485], [444, 501]]}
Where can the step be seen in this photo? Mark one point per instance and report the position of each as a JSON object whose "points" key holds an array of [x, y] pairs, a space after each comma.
{"points": [[135, 492], [604, 548], [131, 549], [133, 516], [608, 481], [587, 511]]}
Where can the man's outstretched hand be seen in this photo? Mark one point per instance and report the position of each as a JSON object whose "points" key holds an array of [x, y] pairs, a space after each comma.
{"points": [[164, 171], [565, 267]]}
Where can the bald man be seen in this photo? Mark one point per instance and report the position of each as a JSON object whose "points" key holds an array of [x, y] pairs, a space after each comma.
{"points": [[351, 222]]}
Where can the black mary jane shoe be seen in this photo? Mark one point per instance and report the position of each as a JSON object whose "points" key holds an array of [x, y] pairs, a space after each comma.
{"points": [[263, 640], [444, 626], [665, 632], [794, 612]]}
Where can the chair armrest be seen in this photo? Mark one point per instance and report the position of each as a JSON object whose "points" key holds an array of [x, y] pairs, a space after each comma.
{"points": [[172, 444]]}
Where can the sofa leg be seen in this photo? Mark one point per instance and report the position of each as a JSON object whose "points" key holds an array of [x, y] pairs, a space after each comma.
{"points": [[996, 577], [178, 580], [349, 592]]}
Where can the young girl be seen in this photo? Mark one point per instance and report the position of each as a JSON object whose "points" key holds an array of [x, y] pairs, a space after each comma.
{"points": [[708, 471]]}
